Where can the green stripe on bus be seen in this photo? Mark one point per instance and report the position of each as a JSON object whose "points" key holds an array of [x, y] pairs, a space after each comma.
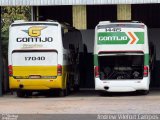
{"points": [[140, 36], [146, 59], [105, 38], [95, 60]]}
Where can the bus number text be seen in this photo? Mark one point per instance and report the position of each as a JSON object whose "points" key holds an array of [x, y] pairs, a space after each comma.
{"points": [[113, 29], [34, 58]]}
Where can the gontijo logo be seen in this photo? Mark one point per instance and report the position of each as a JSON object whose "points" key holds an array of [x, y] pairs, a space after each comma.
{"points": [[34, 35], [120, 38], [34, 31]]}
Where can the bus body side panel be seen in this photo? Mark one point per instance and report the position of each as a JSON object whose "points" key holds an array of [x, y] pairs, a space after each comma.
{"points": [[65, 69]]}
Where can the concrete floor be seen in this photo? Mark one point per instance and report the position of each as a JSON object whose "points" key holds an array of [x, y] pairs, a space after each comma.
{"points": [[84, 102]]}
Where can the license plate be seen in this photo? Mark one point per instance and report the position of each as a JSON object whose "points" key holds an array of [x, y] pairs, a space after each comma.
{"points": [[34, 76]]}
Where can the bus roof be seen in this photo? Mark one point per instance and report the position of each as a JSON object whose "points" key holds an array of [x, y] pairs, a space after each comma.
{"points": [[23, 23], [120, 24]]}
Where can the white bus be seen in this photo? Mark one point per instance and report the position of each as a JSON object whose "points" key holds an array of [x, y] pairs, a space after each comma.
{"points": [[42, 56], [121, 57]]}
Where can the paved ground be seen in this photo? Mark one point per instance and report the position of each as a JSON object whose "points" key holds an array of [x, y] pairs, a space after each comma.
{"points": [[84, 102]]}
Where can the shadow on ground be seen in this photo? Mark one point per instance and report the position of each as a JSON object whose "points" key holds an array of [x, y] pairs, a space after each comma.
{"points": [[89, 93]]}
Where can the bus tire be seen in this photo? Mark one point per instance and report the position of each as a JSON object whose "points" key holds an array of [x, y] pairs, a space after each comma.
{"points": [[143, 92], [76, 88], [21, 93], [68, 89], [62, 93], [28, 93]]}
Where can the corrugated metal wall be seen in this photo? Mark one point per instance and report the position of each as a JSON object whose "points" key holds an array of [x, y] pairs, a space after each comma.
{"points": [[71, 2]]}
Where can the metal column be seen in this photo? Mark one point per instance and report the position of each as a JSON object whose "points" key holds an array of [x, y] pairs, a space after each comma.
{"points": [[34, 13], [79, 16], [1, 61], [124, 12]]}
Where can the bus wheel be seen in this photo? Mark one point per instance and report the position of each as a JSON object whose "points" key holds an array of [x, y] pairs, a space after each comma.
{"points": [[20, 93], [143, 92], [68, 89], [102, 93], [76, 88], [62, 93], [28, 93]]}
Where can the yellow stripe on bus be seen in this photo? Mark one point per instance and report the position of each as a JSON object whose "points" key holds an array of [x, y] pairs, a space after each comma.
{"points": [[34, 70], [38, 84]]}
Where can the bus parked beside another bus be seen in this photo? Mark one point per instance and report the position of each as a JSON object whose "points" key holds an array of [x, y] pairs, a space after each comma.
{"points": [[121, 57], [42, 56]]}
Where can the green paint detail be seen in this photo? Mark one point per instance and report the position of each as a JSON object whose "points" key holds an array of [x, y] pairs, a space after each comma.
{"points": [[146, 59], [113, 38], [118, 38], [95, 59], [140, 36]]}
